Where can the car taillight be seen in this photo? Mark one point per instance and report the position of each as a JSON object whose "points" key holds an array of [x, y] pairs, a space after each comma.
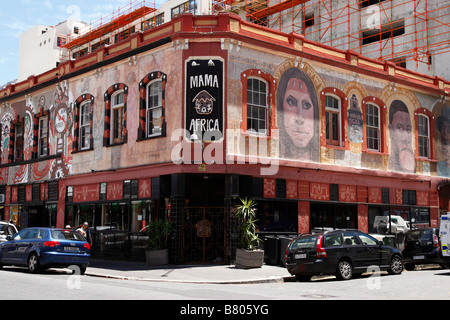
{"points": [[321, 253], [287, 249], [87, 246], [435, 241], [52, 244]]}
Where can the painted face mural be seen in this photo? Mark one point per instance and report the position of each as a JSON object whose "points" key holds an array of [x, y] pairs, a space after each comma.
{"points": [[443, 126], [400, 129], [298, 116]]}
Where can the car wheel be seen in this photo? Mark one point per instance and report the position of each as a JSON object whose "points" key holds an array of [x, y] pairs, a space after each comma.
{"points": [[344, 270], [396, 266], [33, 263]]}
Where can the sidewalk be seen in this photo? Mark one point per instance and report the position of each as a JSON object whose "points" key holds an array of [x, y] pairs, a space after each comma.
{"points": [[201, 274]]}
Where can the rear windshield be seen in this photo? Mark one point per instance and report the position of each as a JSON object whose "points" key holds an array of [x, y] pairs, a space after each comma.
{"points": [[420, 235], [67, 235], [307, 242]]}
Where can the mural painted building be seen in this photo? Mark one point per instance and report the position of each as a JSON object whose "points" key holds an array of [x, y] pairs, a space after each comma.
{"points": [[181, 120]]}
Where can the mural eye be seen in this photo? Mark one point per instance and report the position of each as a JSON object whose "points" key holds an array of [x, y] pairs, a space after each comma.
{"points": [[292, 102], [306, 105]]}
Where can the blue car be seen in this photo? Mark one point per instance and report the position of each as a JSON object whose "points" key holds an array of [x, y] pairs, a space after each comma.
{"points": [[41, 248]]}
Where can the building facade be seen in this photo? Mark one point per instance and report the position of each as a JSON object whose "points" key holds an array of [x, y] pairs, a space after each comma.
{"points": [[182, 120]]}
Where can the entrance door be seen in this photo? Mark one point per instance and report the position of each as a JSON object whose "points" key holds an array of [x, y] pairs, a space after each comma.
{"points": [[204, 235]]}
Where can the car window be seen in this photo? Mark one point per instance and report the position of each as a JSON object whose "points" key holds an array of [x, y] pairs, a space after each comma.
{"points": [[304, 243], [67, 235], [350, 239], [333, 240], [31, 234], [41, 234], [366, 239]]}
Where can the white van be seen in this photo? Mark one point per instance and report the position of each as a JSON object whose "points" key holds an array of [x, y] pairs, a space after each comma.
{"points": [[444, 234], [395, 224]]}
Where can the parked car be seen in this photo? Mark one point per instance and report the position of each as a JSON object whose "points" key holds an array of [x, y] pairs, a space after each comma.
{"points": [[38, 248], [344, 253], [6, 229], [421, 246]]}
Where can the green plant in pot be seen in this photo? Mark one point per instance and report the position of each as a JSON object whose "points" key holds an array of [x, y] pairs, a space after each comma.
{"points": [[159, 232], [248, 255]]}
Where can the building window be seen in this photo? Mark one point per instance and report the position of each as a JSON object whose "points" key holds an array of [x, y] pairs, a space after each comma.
{"points": [[423, 133], [83, 138], [258, 102], [85, 126], [332, 119], [153, 22], [187, 7], [18, 142], [43, 137], [116, 115], [257, 106], [372, 127], [425, 128], [152, 106]]}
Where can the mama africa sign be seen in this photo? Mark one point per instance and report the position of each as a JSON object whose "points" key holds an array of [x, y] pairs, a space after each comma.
{"points": [[204, 99]]}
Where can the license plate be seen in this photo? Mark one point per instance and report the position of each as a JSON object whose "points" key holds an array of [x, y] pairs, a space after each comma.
{"points": [[300, 256], [71, 249], [418, 257]]}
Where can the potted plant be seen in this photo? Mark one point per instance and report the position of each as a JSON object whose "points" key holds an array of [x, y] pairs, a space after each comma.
{"points": [[248, 255], [159, 232]]}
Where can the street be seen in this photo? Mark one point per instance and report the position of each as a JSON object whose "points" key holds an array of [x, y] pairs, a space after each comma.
{"points": [[429, 284]]}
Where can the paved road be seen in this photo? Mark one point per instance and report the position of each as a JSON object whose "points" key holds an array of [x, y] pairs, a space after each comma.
{"points": [[59, 285]]}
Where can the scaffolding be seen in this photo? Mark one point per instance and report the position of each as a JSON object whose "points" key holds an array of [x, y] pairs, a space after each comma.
{"points": [[395, 30], [107, 30]]}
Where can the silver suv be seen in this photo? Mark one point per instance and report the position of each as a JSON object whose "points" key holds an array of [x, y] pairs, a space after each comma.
{"points": [[6, 229]]}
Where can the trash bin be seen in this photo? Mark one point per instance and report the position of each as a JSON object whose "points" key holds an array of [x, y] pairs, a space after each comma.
{"points": [[272, 250], [389, 240], [284, 242]]}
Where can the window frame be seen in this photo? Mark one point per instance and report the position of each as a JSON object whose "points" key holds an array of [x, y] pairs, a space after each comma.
{"points": [[432, 156], [43, 137], [271, 86], [85, 124], [423, 137], [376, 128], [342, 119], [117, 121], [381, 122], [254, 104], [150, 108], [110, 106], [78, 114], [144, 86]]}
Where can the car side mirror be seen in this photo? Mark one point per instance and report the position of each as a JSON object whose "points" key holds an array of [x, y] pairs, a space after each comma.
{"points": [[9, 238], [380, 243]]}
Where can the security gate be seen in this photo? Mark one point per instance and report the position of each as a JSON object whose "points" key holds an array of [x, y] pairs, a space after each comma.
{"points": [[204, 235]]}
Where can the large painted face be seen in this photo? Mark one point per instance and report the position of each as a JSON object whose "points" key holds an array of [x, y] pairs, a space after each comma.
{"points": [[298, 113], [401, 136]]}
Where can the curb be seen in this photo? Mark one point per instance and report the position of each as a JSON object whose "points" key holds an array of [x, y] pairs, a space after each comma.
{"points": [[250, 281]]}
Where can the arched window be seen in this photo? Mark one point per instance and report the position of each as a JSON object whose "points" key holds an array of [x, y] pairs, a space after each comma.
{"points": [[116, 115], [258, 113], [152, 106], [334, 109], [374, 125], [425, 144], [83, 119]]}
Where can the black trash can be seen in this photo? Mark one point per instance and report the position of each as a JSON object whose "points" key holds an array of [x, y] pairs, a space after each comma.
{"points": [[284, 242], [272, 250]]}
